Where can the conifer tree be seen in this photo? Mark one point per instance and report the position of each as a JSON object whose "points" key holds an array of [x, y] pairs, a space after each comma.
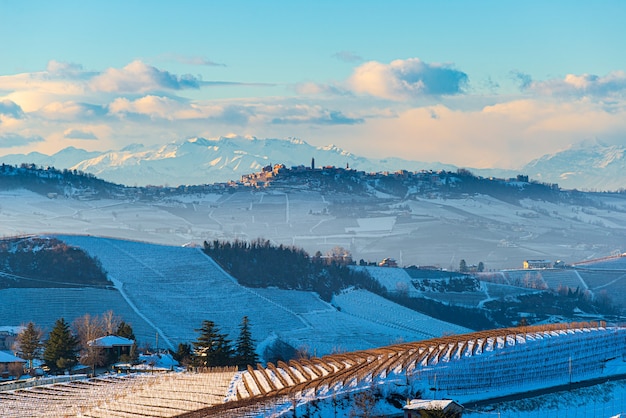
{"points": [[125, 330], [245, 353], [463, 266], [29, 343], [224, 353], [212, 348], [183, 354], [60, 349]]}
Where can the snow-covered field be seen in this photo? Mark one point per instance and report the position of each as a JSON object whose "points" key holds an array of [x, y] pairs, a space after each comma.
{"points": [[374, 308], [604, 400], [468, 368]]}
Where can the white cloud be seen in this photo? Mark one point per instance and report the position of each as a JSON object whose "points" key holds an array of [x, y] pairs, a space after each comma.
{"points": [[584, 85], [406, 79], [315, 115], [79, 134], [10, 109], [163, 108], [69, 111], [347, 56], [157, 107], [64, 69], [11, 140], [138, 77], [191, 60]]}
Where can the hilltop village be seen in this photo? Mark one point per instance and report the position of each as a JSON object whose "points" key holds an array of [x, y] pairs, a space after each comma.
{"points": [[315, 178], [402, 183]]}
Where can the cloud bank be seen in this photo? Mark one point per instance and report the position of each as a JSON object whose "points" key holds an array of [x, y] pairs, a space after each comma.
{"points": [[11, 140], [406, 107], [583, 85], [79, 134], [407, 79], [10, 109]]}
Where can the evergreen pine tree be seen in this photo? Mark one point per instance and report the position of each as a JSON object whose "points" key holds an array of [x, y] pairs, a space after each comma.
{"points": [[125, 330], [183, 354], [245, 353], [224, 353], [60, 349], [211, 348], [29, 343]]}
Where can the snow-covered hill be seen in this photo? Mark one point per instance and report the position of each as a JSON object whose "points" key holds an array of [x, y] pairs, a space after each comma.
{"points": [[434, 231], [173, 289], [587, 166]]}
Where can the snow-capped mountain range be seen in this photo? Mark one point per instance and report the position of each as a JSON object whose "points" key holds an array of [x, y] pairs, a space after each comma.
{"points": [[590, 166]]}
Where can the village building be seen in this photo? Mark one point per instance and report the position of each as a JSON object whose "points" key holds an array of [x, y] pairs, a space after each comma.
{"points": [[388, 262], [418, 408], [537, 264], [113, 345], [8, 335], [7, 363]]}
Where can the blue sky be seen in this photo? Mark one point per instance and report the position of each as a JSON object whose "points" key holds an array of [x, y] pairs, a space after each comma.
{"points": [[477, 84]]}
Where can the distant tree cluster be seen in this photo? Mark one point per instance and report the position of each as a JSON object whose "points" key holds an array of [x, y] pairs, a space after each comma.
{"points": [[47, 262], [464, 268], [465, 283], [261, 264], [49, 179], [214, 348]]}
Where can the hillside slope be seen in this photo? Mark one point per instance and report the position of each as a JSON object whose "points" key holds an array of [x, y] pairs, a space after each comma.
{"points": [[176, 288]]}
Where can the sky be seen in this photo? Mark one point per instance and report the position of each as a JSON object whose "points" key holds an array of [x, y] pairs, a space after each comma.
{"points": [[483, 84]]}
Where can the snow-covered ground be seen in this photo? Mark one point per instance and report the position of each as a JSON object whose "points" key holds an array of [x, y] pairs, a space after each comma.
{"points": [[604, 400]]}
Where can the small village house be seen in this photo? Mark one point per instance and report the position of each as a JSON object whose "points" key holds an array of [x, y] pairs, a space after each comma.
{"points": [[422, 408], [537, 264], [8, 363], [113, 345]]}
